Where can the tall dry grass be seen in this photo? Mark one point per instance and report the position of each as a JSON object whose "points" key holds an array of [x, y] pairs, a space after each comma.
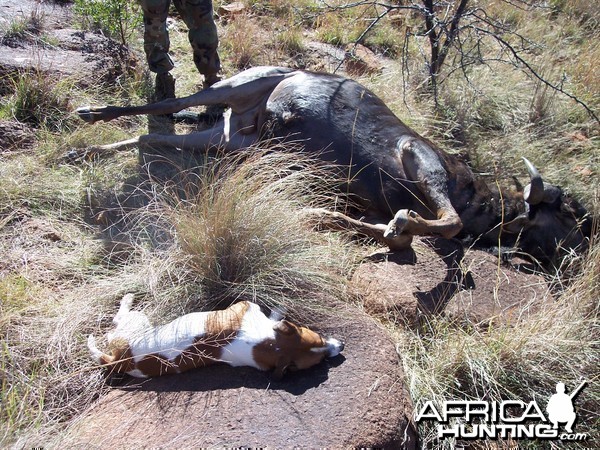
{"points": [[444, 360], [238, 230]]}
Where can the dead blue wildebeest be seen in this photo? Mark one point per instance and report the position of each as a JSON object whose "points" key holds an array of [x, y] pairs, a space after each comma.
{"points": [[404, 183]]}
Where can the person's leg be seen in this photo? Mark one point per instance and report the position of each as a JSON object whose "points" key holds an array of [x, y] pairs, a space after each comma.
{"points": [[156, 46], [156, 37], [198, 16]]}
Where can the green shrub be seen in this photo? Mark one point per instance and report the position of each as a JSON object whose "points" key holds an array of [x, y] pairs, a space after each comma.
{"points": [[116, 18]]}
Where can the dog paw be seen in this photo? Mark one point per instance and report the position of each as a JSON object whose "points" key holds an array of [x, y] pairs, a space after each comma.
{"points": [[127, 300]]}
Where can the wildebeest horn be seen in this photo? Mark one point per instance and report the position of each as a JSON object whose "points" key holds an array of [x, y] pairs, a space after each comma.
{"points": [[534, 191]]}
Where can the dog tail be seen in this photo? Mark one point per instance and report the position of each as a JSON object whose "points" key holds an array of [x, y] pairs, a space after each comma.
{"points": [[97, 355]]}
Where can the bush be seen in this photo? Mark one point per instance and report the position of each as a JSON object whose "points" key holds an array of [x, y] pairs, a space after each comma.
{"points": [[116, 18]]}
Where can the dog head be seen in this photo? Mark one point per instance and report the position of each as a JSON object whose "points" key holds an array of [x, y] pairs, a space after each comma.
{"points": [[294, 348]]}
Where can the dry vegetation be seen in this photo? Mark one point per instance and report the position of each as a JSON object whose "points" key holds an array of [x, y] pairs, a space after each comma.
{"points": [[242, 234], [446, 360]]}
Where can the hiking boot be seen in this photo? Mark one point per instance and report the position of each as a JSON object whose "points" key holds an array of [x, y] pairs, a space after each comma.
{"points": [[164, 86], [213, 112], [164, 89]]}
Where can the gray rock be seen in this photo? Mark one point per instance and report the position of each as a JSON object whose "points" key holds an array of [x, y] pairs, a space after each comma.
{"points": [[87, 58]]}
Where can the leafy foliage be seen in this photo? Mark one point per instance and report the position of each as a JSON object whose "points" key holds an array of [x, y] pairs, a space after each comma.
{"points": [[116, 18]]}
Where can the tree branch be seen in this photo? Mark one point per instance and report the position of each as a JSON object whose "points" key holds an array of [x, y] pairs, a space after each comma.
{"points": [[531, 70]]}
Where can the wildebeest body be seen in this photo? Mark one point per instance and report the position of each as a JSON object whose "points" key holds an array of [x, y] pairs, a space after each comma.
{"points": [[392, 170]]}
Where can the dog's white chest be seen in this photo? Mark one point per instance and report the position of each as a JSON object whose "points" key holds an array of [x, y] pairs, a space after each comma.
{"points": [[255, 329]]}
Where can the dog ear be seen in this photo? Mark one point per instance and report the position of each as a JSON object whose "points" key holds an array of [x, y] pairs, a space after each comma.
{"points": [[277, 313], [284, 327]]}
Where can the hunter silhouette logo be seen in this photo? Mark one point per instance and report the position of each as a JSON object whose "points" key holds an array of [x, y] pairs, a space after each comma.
{"points": [[560, 407], [516, 419]]}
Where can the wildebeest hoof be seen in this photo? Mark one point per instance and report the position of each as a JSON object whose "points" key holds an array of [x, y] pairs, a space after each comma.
{"points": [[76, 155], [90, 114], [397, 224], [70, 156], [85, 114]]}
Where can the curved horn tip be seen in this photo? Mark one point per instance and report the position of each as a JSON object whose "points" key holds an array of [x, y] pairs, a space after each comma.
{"points": [[534, 191], [533, 172]]}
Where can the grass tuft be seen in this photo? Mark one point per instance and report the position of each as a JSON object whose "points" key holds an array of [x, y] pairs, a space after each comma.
{"points": [[244, 44], [240, 232], [38, 101]]}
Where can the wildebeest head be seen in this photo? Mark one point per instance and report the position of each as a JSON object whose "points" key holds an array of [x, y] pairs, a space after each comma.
{"points": [[553, 224]]}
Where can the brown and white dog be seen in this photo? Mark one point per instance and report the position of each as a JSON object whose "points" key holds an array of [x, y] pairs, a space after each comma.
{"points": [[240, 335]]}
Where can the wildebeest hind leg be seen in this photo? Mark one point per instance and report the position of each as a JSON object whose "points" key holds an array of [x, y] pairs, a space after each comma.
{"points": [[422, 165], [241, 92], [215, 137]]}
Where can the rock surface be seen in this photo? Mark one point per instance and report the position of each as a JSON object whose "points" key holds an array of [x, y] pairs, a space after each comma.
{"points": [[354, 400], [15, 136], [53, 47], [231, 10], [360, 60], [438, 276]]}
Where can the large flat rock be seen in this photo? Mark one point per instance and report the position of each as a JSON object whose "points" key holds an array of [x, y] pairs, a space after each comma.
{"points": [[357, 399], [439, 276], [54, 48]]}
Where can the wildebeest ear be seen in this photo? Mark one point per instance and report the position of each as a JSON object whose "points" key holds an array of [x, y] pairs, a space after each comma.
{"points": [[551, 193], [516, 225], [284, 327]]}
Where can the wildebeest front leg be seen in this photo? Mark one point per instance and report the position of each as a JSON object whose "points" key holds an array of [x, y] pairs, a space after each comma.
{"points": [[423, 166], [334, 220]]}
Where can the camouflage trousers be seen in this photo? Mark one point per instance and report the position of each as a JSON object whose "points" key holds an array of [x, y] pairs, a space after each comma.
{"points": [[198, 16]]}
